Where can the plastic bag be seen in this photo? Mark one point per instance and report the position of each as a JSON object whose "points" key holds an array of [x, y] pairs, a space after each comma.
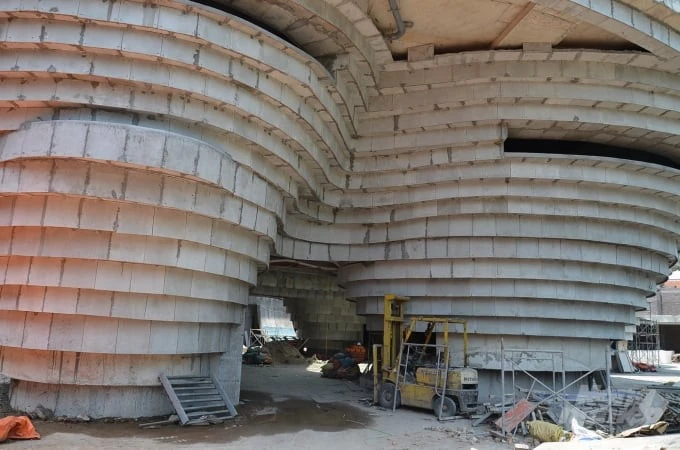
{"points": [[579, 433]]}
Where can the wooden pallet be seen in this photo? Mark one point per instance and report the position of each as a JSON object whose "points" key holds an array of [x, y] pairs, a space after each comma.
{"points": [[195, 397]]}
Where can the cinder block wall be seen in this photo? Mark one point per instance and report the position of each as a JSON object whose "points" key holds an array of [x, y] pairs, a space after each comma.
{"points": [[329, 322], [318, 308], [667, 300]]}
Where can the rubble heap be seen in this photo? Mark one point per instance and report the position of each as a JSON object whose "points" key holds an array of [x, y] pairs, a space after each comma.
{"points": [[283, 352]]}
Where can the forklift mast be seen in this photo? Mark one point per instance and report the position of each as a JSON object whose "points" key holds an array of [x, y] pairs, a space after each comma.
{"points": [[394, 306], [393, 319]]}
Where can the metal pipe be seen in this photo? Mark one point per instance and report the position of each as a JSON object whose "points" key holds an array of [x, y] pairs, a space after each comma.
{"points": [[401, 26], [607, 362], [502, 387], [301, 263]]}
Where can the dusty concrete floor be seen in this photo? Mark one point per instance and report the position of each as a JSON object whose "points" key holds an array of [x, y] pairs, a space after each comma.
{"points": [[292, 407], [665, 373], [283, 407]]}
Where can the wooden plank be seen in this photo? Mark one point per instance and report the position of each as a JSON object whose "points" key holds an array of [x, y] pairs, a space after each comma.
{"points": [[512, 24], [624, 360], [480, 420], [225, 397], [206, 413], [173, 399]]}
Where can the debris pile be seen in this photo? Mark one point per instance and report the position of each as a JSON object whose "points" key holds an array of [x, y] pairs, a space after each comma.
{"points": [[644, 367], [341, 366], [671, 415], [256, 355], [585, 416], [283, 352], [592, 408]]}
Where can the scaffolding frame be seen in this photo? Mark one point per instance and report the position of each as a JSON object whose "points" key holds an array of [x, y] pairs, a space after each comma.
{"points": [[514, 358], [258, 337], [646, 344]]}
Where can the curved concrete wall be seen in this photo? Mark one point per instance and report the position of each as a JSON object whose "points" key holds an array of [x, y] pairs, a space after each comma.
{"points": [[120, 262], [153, 155]]}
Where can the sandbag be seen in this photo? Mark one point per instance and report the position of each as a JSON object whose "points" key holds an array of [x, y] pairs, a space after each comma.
{"points": [[17, 427], [545, 431]]}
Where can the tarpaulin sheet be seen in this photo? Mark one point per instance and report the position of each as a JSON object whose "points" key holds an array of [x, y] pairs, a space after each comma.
{"points": [[17, 427], [274, 319]]}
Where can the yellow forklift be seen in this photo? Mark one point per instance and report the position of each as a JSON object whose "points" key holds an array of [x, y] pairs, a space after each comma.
{"points": [[419, 374]]}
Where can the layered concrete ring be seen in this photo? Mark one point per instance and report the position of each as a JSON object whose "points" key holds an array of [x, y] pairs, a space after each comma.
{"points": [[119, 265]]}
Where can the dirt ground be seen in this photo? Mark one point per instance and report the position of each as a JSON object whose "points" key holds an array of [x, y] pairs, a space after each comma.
{"points": [[283, 407], [292, 407]]}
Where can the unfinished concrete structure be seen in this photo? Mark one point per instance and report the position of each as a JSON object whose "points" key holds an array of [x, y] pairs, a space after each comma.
{"points": [[317, 305], [156, 155], [664, 311]]}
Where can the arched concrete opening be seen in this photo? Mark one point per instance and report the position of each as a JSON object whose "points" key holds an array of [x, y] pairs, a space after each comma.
{"points": [[321, 314]]}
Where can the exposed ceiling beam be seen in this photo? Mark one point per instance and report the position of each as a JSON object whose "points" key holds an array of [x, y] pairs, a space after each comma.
{"points": [[512, 24]]}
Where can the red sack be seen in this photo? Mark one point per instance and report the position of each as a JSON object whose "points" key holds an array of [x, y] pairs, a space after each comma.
{"points": [[17, 427]]}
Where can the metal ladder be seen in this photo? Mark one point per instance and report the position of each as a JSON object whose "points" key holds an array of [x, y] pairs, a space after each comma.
{"points": [[401, 372], [441, 392], [198, 399]]}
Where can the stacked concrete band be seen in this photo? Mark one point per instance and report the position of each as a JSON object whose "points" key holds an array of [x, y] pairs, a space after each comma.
{"points": [[155, 153]]}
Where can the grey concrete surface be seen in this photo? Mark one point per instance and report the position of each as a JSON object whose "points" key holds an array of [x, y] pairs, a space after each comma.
{"points": [[287, 407], [154, 155]]}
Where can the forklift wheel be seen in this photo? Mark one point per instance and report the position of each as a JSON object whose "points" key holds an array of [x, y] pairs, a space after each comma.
{"points": [[386, 398], [448, 409]]}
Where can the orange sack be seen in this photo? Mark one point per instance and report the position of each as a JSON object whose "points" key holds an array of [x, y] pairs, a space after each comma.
{"points": [[17, 427]]}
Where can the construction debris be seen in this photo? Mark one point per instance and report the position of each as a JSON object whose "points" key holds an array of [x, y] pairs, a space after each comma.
{"points": [[647, 411], [513, 417], [169, 421], [644, 367], [671, 415], [651, 410], [284, 352], [275, 351], [656, 428], [256, 355], [341, 366]]}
